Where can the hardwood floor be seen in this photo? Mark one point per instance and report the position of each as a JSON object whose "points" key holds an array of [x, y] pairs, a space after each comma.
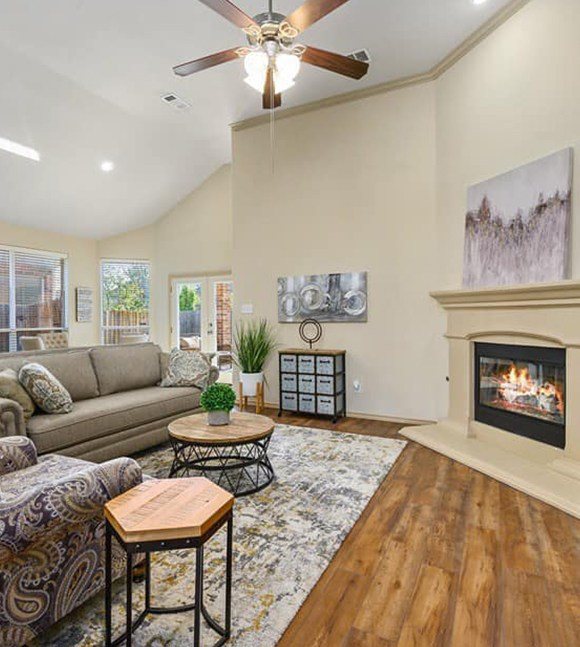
{"points": [[445, 556]]}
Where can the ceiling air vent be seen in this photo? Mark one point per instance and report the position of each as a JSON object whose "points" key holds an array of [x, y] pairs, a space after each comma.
{"points": [[176, 102], [361, 55]]}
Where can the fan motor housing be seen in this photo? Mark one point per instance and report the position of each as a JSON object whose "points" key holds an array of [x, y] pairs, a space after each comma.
{"points": [[269, 23]]}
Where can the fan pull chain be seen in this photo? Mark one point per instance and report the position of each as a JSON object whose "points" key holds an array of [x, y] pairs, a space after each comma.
{"points": [[272, 142]]}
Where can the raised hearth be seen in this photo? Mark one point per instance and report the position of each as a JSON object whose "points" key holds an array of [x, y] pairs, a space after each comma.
{"points": [[514, 388]]}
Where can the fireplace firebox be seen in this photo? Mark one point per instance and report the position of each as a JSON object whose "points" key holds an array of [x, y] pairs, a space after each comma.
{"points": [[522, 389]]}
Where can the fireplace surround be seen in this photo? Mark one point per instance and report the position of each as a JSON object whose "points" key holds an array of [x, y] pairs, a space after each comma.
{"points": [[529, 326], [522, 389]]}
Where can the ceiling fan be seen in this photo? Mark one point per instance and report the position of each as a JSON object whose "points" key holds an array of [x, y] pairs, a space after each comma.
{"points": [[272, 58]]}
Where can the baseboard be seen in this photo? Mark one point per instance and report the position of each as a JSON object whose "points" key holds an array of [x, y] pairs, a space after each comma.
{"points": [[364, 416], [538, 480], [394, 419]]}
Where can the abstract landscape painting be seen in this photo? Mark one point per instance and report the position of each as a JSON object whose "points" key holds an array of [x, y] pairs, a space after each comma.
{"points": [[325, 297], [517, 228]]}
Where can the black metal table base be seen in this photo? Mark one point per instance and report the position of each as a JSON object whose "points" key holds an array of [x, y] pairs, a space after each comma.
{"points": [[198, 606], [240, 468]]}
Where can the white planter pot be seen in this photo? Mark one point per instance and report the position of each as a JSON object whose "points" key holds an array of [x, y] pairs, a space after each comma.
{"points": [[250, 382], [218, 418]]}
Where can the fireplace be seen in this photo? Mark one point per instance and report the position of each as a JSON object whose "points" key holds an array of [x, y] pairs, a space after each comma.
{"points": [[522, 389]]}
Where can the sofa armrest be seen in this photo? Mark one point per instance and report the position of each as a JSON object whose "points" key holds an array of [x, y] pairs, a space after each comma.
{"points": [[67, 501], [11, 418], [16, 453]]}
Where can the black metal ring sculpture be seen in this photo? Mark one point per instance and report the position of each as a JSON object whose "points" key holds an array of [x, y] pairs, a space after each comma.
{"points": [[303, 332]]}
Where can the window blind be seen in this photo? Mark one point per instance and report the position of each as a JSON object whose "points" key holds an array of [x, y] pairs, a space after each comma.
{"points": [[32, 295], [4, 300]]}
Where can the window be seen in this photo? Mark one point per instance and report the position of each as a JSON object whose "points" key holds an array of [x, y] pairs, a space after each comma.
{"points": [[125, 287], [33, 294]]}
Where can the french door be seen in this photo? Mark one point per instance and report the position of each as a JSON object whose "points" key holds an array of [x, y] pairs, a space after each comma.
{"points": [[201, 310]]}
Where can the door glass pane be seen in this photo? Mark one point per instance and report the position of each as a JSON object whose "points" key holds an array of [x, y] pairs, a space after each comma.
{"points": [[223, 314], [189, 315], [223, 295]]}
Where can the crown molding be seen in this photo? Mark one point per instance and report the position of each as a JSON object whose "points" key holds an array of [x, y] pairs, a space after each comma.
{"points": [[433, 74]]}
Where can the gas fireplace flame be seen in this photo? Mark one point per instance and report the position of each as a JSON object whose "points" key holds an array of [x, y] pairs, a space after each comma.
{"points": [[517, 386]]}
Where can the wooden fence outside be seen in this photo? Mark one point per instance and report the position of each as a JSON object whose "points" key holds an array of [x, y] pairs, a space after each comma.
{"points": [[119, 322]]}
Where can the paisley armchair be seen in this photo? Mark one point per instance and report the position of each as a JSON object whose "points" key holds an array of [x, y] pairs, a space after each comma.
{"points": [[52, 534]]}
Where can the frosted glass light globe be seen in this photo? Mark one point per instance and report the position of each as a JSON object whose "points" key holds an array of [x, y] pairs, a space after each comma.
{"points": [[281, 84], [287, 65], [256, 64], [256, 82], [286, 68]]}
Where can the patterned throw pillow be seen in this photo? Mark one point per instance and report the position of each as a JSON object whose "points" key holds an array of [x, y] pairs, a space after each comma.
{"points": [[11, 389], [48, 393], [187, 368]]}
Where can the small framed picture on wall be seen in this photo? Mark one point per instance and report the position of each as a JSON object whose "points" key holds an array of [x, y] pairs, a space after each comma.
{"points": [[84, 305]]}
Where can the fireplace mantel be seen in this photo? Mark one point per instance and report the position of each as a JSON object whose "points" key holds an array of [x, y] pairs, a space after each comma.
{"points": [[538, 315], [522, 296]]}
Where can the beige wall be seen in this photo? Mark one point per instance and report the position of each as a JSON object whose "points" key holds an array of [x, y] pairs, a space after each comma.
{"points": [[138, 244], [82, 270], [193, 239], [379, 185], [353, 189], [513, 99]]}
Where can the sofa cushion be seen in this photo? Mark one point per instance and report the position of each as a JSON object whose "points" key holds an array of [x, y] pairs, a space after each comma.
{"points": [[109, 414], [73, 369], [124, 368], [187, 368], [11, 389], [46, 391]]}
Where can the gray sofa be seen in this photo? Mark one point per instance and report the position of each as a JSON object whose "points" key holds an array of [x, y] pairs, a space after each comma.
{"points": [[118, 406]]}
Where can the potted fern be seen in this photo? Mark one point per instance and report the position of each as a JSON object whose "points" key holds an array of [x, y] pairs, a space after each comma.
{"points": [[218, 400], [254, 341]]}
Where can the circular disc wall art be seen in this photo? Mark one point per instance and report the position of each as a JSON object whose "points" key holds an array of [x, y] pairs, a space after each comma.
{"points": [[310, 331]]}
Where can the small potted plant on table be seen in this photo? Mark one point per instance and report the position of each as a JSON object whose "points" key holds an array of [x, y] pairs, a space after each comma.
{"points": [[218, 400]]}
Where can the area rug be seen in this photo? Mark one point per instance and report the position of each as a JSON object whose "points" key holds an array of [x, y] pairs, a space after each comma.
{"points": [[284, 538]]}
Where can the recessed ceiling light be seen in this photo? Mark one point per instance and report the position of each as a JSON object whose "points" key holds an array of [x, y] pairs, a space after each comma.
{"points": [[478, 1], [18, 149], [107, 166]]}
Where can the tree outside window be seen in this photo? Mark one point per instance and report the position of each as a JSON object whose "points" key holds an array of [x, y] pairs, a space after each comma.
{"points": [[125, 288]]}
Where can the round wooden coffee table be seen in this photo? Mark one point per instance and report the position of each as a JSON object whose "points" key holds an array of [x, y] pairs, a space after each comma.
{"points": [[234, 456]]}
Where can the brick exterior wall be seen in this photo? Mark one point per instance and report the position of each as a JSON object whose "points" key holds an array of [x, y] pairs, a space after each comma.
{"points": [[224, 295]]}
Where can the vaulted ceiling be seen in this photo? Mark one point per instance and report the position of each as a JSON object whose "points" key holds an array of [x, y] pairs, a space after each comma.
{"points": [[82, 83]]}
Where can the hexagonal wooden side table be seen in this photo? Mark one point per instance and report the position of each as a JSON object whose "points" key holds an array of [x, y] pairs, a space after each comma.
{"points": [[168, 514]]}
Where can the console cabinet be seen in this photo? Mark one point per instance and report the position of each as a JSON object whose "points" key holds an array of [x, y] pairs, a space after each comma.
{"points": [[313, 382]]}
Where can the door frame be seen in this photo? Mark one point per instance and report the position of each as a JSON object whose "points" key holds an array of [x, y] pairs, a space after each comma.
{"points": [[208, 340]]}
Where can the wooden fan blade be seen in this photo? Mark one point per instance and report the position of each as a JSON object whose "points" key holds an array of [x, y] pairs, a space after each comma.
{"points": [[335, 62], [312, 11], [269, 98], [230, 12], [185, 69]]}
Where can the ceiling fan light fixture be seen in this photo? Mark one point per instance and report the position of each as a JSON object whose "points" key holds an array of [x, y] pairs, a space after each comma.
{"points": [[256, 82], [286, 68], [272, 57], [281, 84], [287, 65], [256, 63]]}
